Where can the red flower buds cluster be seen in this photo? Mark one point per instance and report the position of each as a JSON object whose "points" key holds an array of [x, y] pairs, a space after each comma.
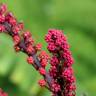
{"points": [[61, 62], [42, 82], [59, 79], [2, 93]]}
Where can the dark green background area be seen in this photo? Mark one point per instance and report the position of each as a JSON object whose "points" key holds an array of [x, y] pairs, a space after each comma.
{"points": [[78, 20]]}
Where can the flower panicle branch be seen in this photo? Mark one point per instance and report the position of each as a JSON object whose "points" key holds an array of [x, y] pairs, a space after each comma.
{"points": [[60, 78]]}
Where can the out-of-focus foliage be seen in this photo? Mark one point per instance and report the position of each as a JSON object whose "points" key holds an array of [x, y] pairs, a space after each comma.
{"points": [[78, 20]]}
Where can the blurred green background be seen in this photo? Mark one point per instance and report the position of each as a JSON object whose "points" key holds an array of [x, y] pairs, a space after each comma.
{"points": [[78, 20]]}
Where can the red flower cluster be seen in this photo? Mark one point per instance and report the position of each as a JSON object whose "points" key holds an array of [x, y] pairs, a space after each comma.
{"points": [[2, 93], [59, 79], [61, 62]]}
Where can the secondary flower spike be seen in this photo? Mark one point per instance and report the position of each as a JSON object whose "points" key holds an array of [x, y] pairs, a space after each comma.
{"points": [[61, 64], [59, 79]]}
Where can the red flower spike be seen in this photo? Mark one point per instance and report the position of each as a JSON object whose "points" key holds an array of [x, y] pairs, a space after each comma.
{"points": [[60, 78], [42, 71], [61, 63], [42, 83], [30, 60]]}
